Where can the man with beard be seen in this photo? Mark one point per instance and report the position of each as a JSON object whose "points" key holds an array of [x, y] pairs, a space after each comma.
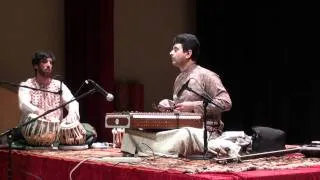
{"points": [[46, 93], [48, 96]]}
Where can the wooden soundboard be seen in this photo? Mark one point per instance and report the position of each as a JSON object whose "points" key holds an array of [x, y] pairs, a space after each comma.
{"points": [[152, 120]]}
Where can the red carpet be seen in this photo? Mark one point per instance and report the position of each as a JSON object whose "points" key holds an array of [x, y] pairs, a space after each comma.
{"points": [[57, 164]]}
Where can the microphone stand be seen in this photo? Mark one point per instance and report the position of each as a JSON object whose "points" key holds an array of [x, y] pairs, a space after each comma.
{"points": [[9, 133], [36, 89], [206, 101]]}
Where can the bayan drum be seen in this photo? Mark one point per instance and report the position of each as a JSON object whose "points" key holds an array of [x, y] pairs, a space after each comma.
{"points": [[72, 133], [41, 132]]}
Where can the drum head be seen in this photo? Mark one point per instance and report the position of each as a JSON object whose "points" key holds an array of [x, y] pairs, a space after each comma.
{"points": [[66, 125]]}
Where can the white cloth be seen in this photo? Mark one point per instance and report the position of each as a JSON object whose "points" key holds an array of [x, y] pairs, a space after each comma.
{"points": [[179, 142], [30, 101]]}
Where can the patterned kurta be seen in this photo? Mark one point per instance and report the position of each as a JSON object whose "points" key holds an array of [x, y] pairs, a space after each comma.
{"points": [[207, 84], [31, 101]]}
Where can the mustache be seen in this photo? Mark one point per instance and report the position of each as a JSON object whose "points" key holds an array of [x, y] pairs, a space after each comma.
{"points": [[47, 68]]}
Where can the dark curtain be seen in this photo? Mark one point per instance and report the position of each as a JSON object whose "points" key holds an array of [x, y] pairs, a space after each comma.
{"points": [[265, 54], [89, 55]]}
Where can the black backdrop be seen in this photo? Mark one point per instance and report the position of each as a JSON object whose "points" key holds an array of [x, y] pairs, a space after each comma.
{"points": [[266, 55]]}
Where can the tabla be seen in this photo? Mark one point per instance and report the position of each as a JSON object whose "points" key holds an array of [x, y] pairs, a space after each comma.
{"points": [[72, 133], [41, 132]]}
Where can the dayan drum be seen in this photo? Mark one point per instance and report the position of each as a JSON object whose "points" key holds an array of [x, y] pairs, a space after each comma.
{"points": [[72, 133], [41, 132]]}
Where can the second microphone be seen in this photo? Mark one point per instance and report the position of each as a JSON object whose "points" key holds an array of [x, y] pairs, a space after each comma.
{"points": [[109, 97]]}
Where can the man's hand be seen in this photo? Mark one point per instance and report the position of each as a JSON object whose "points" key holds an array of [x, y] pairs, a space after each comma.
{"points": [[39, 112], [71, 118], [186, 106], [166, 105]]}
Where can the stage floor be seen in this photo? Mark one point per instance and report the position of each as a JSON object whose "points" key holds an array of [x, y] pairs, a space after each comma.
{"points": [[109, 164]]}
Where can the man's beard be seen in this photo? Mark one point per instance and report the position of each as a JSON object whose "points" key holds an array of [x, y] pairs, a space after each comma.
{"points": [[44, 73]]}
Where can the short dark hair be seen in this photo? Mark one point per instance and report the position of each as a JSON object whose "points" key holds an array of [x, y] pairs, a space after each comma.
{"points": [[40, 55], [188, 42]]}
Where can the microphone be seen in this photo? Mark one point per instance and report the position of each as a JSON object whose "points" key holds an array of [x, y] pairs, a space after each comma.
{"points": [[186, 84], [183, 87], [108, 96]]}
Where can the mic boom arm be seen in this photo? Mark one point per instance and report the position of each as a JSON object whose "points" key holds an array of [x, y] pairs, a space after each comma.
{"points": [[18, 85]]}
